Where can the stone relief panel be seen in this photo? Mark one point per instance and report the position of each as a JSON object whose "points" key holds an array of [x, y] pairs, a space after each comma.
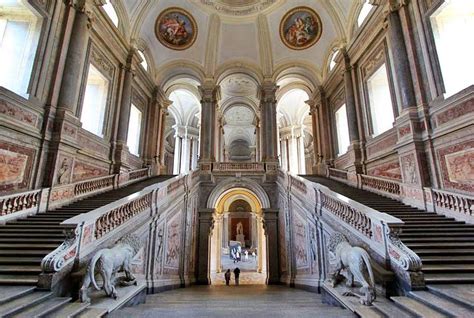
{"points": [[409, 169], [16, 163], [173, 243], [84, 171], [313, 246], [389, 170], [19, 114], [300, 241], [159, 247], [457, 166]]}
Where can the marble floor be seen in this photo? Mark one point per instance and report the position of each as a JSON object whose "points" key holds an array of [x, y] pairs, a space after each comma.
{"points": [[234, 301], [248, 274]]}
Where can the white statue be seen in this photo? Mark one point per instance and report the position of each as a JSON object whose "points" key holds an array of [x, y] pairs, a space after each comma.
{"points": [[240, 228], [110, 261], [357, 263]]}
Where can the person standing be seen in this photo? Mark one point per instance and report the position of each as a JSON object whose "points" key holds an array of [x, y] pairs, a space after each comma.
{"points": [[246, 257], [237, 275], [227, 277]]}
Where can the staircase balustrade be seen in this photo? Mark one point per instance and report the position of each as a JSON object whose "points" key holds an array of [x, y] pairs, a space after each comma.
{"points": [[337, 173], [89, 230], [377, 229], [382, 186], [21, 204], [455, 202], [238, 166]]}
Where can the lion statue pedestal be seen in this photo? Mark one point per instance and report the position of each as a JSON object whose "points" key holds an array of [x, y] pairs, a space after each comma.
{"points": [[108, 262]]}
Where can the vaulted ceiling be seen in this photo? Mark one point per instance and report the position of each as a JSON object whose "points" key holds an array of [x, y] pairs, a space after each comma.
{"points": [[239, 32]]}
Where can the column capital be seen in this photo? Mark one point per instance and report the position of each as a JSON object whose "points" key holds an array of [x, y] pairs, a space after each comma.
{"points": [[267, 92], [210, 93], [395, 5], [160, 98]]}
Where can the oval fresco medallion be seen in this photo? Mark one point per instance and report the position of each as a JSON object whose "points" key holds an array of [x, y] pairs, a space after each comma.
{"points": [[300, 28], [176, 29]]}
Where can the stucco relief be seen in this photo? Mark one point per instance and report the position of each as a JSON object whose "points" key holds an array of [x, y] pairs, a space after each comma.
{"points": [[300, 241], [387, 170], [83, 171], [173, 242], [409, 169], [63, 174]]}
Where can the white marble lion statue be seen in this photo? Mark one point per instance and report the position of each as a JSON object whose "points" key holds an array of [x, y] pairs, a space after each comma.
{"points": [[356, 261], [108, 262]]}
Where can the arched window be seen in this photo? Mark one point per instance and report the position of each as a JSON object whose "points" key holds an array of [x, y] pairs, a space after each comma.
{"points": [[20, 29], [332, 60], [144, 63], [364, 12], [134, 130], [380, 101], [109, 9], [451, 24]]}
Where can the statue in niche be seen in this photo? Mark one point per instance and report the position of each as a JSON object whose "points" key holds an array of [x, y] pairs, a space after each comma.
{"points": [[240, 229], [159, 244], [313, 243]]}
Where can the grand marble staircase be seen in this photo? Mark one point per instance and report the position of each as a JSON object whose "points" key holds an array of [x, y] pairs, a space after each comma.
{"points": [[446, 248], [25, 242]]}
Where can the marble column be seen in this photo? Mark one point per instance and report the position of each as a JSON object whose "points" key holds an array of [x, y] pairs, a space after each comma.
{"points": [[185, 152], [225, 230], [210, 95], [270, 221], [254, 231], [301, 153], [75, 59], [206, 225], [177, 154], [350, 100], [257, 142], [194, 153], [400, 59], [269, 122], [316, 135]]}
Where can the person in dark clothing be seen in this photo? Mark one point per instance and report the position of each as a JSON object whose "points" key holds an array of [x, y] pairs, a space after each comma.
{"points": [[227, 277], [236, 274]]}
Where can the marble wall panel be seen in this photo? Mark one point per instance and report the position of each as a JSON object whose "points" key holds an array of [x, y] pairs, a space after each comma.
{"points": [[16, 165], [300, 241], [389, 170], [457, 166], [84, 171], [173, 243]]}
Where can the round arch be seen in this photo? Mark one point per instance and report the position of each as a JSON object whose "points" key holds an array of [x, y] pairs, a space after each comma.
{"points": [[245, 184]]}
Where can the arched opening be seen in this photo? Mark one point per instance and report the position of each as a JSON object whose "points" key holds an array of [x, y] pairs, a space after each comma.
{"points": [[295, 133], [238, 239]]}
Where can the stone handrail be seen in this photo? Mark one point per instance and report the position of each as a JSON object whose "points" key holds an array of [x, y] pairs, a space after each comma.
{"points": [[39, 200], [377, 229], [384, 186], [86, 231], [25, 201], [460, 203], [337, 173], [238, 166]]}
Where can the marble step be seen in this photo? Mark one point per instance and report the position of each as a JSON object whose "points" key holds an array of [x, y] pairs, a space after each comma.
{"points": [[461, 294], [25, 253], [450, 278], [17, 305], [31, 246], [447, 225], [440, 245], [22, 240], [12, 279], [36, 226], [436, 260], [69, 310], [43, 309], [425, 218], [390, 309], [441, 304], [92, 313], [437, 239], [443, 252], [20, 269], [9, 293], [412, 234], [6, 229], [20, 261], [29, 222], [417, 308], [448, 268], [431, 231]]}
